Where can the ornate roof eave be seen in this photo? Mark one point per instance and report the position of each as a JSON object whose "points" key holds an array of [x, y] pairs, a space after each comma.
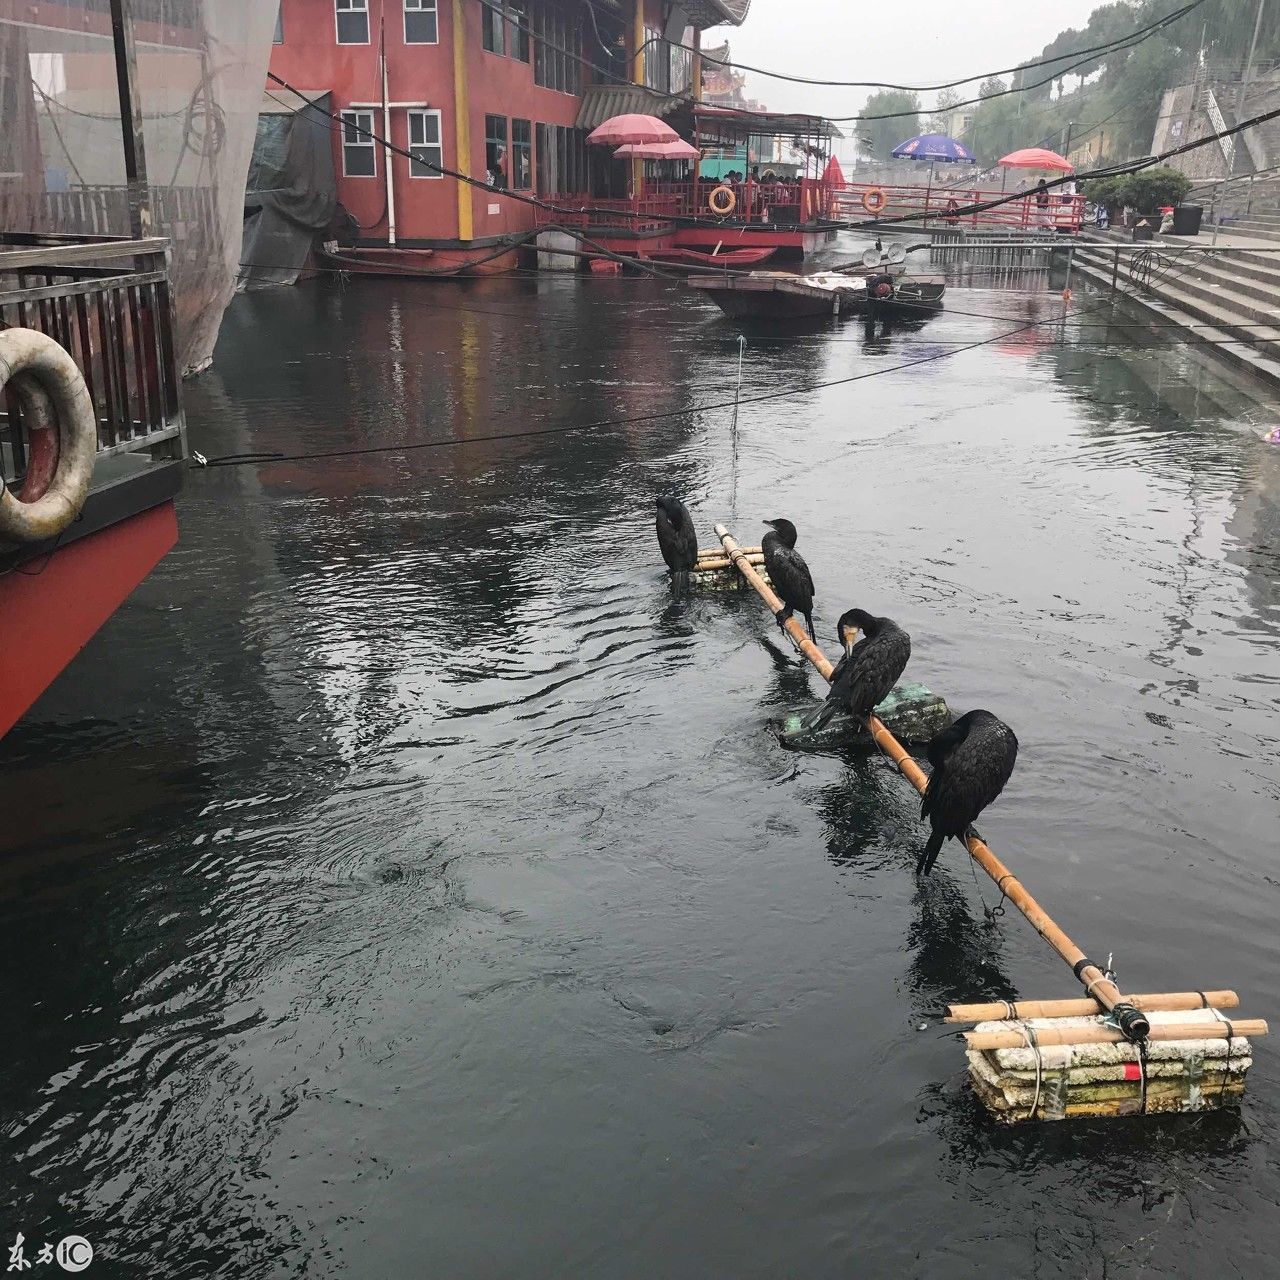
{"points": [[715, 13]]}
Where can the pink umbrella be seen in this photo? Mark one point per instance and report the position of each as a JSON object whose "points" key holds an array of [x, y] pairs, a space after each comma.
{"points": [[677, 150], [1037, 158], [623, 130]]}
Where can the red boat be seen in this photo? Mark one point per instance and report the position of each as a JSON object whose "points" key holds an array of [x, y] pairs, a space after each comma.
{"points": [[697, 260], [92, 336]]}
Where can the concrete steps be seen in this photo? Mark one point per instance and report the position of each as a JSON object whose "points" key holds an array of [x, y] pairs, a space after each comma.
{"points": [[1235, 316], [1215, 345]]}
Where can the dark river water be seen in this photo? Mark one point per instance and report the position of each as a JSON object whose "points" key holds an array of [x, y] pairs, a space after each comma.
{"points": [[405, 883]]}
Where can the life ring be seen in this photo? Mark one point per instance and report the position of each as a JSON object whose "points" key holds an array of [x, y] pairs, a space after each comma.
{"points": [[874, 200], [61, 432], [722, 202]]}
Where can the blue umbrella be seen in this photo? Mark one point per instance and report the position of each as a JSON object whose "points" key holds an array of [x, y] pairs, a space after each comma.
{"points": [[934, 147]]}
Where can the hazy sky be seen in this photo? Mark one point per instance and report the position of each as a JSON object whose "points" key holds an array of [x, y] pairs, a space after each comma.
{"points": [[921, 42]]}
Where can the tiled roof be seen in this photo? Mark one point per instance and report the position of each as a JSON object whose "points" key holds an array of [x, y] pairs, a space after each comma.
{"points": [[714, 13], [601, 102]]}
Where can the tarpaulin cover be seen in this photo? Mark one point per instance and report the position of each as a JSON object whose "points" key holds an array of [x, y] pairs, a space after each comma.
{"points": [[201, 65], [291, 193]]}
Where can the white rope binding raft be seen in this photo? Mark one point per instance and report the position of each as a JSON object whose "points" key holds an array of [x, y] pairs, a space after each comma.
{"points": [[1029, 1034], [1226, 1070]]}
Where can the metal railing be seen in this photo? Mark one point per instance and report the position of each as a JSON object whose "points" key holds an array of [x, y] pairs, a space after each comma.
{"points": [[108, 303], [786, 203], [857, 201]]}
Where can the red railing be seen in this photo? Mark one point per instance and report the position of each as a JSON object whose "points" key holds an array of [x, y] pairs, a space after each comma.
{"points": [[943, 206], [784, 203]]}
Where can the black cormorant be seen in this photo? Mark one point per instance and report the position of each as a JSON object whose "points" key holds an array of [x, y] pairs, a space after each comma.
{"points": [[676, 535], [869, 668], [972, 760], [788, 572]]}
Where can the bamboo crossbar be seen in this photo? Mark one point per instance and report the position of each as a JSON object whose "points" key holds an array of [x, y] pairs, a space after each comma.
{"points": [[1099, 1034], [1166, 1002], [718, 553], [711, 565], [1096, 983]]}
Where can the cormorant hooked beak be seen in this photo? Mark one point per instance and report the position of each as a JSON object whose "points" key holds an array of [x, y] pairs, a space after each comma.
{"points": [[848, 637]]}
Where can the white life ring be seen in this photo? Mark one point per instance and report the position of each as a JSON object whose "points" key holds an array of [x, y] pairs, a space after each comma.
{"points": [[62, 435]]}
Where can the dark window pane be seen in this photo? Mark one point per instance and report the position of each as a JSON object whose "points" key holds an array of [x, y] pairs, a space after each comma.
{"points": [[420, 26], [353, 27], [491, 26]]}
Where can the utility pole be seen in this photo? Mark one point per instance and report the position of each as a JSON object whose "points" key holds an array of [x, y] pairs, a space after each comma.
{"points": [[135, 152], [1066, 150]]}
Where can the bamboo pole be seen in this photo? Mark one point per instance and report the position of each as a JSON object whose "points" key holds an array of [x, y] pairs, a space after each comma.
{"points": [[1167, 1002], [799, 636], [1102, 1034], [718, 553], [1096, 983], [710, 565]]}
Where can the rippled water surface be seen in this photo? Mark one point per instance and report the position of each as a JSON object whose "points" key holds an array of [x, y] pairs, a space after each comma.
{"points": [[405, 883]]}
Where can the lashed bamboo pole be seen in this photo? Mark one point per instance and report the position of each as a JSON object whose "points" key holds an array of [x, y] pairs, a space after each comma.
{"points": [[1096, 983], [1100, 1034], [715, 564], [1168, 1001], [717, 553]]}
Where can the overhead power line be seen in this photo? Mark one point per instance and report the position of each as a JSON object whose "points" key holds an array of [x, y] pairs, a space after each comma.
{"points": [[1107, 46], [1128, 41], [1108, 171]]}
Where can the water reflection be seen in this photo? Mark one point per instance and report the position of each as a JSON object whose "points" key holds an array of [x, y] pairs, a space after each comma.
{"points": [[407, 834]]}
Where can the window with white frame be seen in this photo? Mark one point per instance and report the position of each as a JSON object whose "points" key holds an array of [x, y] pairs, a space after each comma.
{"points": [[353, 21], [424, 145], [421, 25], [359, 154]]}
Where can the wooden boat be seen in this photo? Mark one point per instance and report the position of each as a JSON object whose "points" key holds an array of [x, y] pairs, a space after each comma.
{"points": [[698, 260], [780, 295], [365, 261]]}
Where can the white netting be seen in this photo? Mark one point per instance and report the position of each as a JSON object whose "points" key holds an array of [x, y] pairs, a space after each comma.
{"points": [[201, 65]]}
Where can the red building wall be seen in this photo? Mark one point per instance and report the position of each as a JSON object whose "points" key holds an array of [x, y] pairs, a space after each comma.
{"points": [[310, 57]]}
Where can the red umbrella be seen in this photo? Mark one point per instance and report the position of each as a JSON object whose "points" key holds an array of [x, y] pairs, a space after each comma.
{"points": [[1037, 158], [833, 175], [677, 150], [621, 130]]}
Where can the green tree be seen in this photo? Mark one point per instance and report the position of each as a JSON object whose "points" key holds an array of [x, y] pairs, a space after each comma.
{"points": [[879, 137]]}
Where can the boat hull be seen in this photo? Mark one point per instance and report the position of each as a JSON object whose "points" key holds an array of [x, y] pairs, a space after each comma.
{"points": [[52, 605]]}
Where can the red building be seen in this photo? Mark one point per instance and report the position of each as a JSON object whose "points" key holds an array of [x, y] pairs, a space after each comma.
{"points": [[504, 91]]}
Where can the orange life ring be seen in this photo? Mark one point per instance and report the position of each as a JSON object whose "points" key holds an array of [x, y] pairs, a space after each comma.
{"points": [[874, 200], [722, 208]]}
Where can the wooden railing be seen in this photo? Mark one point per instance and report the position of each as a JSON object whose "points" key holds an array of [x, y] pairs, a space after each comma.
{"points": [[107, 302]]}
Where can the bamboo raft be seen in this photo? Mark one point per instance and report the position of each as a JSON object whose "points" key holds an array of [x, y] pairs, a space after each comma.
{"points": [[913, 712], [1108, 1054]]}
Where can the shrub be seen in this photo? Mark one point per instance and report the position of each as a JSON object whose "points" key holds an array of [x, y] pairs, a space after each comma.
{"points": [[1146, 191]]}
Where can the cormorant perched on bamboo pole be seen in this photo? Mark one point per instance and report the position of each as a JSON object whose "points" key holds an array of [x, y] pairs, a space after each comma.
{"points": [[788, 572], [972, 760], [866, 674], [676, 535]]}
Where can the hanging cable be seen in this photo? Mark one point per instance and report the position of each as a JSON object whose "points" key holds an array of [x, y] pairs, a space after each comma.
{"points": [[1108, 171]]}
